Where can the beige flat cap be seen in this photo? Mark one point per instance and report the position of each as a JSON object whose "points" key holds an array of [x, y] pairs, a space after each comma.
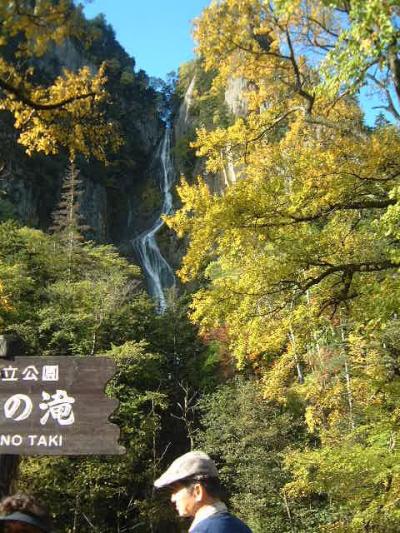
{"points": [[187, 465]]}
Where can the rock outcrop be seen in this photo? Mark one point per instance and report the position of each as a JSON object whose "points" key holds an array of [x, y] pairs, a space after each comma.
{"points": [[112, 198]]}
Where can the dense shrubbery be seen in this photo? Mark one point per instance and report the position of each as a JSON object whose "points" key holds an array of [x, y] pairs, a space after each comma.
{"points": [[91, 303]]}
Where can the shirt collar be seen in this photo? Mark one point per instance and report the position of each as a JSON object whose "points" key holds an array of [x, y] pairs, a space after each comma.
{"points": [[206, 511]]}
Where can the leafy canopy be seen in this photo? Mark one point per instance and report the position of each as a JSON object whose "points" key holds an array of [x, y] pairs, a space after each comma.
{"points": [[297, 258], [69, 112]]}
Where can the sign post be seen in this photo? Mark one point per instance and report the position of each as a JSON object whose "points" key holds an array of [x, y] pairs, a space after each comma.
{"points": [[57, 406]]}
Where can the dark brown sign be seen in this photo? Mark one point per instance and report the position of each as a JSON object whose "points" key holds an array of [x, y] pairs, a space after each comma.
{"points": [[57, 406]]}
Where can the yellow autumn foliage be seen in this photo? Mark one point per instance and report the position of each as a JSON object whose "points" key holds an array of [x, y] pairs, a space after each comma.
{"points": [[68, 113]]}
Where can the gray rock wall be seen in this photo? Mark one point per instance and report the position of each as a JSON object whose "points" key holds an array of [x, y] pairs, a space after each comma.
{"points": [[111, 203]]}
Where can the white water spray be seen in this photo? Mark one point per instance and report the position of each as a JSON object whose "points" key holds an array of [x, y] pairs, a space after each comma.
{"points": [[158, 273]]}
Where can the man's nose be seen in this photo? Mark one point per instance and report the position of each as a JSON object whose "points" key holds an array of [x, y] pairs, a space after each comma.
{"points": [[173, 497]]}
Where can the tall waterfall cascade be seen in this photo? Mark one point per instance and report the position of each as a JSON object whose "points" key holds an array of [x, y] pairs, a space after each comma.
{"points": [[159, 275]]}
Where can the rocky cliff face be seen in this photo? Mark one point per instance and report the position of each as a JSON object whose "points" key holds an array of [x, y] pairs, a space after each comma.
{"points": [[184, 121], [234, 97], [114, 199], [196, 111]]}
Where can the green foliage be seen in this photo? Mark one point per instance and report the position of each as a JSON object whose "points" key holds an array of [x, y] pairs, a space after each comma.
{"points": [[106, 493], [370, 40], [249, 436], [60, 306], [90, 306], [183, 153], [358, 42], [177, 338]]}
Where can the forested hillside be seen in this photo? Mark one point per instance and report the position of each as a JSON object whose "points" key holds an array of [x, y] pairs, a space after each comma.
{"points": [[278, 352]]}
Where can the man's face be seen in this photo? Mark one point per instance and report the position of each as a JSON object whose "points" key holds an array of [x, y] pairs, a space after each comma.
{"points": [[185, 499]]}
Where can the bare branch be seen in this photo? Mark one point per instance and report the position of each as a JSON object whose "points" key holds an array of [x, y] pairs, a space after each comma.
{"points": [[299, 83], [323, 27], [391, 108]]}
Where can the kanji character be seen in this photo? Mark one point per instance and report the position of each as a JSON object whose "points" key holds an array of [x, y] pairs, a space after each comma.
{"points": [[30, 373], [50, 373], [9, 373], [59, 406]]}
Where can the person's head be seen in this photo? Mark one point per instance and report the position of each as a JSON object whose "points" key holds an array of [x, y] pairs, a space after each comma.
{"points": [[22, 513], [190, 494], [193, 482]]}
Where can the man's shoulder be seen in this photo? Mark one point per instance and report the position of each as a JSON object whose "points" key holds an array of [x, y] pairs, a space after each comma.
{"points": [[222, 522]]}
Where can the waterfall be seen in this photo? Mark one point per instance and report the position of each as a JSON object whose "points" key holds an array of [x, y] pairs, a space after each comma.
{"points": [[159, 274]]}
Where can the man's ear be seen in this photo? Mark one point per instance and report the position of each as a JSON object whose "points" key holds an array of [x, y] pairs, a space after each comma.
{"points": [[198, 492]]}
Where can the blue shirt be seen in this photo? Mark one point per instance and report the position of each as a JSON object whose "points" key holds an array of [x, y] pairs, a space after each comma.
{"points": [[221, 522]]}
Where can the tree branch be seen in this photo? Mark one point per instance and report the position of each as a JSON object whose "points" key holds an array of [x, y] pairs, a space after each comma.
{"points": [[391, 108], [21, 97], [367, 204], [258, 54], [349, 269], [299, 83], [297, 219]]}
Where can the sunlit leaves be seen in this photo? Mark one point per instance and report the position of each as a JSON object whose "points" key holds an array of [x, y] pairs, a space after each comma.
{"points": [[297, 258], [371, 38], [42, 23], [69, 112]]}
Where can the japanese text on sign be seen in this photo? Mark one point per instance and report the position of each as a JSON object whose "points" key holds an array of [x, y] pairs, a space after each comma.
{"points": [[56, 406], [30, 373]]}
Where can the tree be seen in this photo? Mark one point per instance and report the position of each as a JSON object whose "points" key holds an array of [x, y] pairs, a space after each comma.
{"points": [[249, 435], [293, 260], [66, 307], [68, 113], [360, 40], [67, 219], [351, 43], [298, 259]]}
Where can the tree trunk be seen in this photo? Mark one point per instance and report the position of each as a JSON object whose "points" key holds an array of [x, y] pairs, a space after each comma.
{"points": [[8, 474], [10, 346]]}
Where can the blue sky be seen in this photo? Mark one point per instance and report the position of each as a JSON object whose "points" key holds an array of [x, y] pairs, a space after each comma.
{"points": [[157, 33]]}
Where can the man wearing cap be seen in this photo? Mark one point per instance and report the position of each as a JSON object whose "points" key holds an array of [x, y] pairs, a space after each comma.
{"points": [[196, 492]]}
